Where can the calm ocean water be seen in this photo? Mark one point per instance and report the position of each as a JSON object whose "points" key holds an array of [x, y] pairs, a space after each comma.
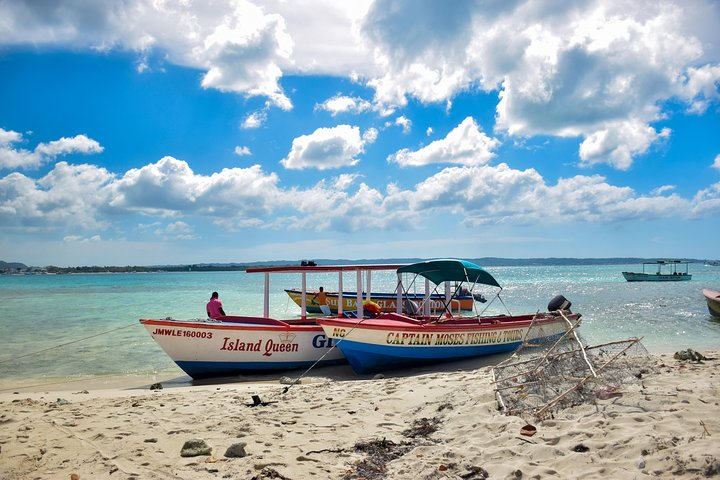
{"points": [[42, 317]]}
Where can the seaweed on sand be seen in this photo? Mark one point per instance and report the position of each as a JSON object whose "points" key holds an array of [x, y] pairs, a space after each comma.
{"points": [[378, 453], [422, 428], [268, 473]]}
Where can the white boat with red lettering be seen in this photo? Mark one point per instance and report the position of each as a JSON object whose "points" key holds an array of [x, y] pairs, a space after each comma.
{"points": [[412, 335], [233, 345]]}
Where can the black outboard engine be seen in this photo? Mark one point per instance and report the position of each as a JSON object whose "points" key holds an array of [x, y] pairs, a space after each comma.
{"points": [[559, 303]]}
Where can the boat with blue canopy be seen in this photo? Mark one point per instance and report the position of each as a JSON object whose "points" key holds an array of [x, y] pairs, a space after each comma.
{"points": [[415, 335]]}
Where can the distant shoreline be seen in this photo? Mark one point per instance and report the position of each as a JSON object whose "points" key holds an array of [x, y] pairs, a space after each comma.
{"points": [[22, 269]]}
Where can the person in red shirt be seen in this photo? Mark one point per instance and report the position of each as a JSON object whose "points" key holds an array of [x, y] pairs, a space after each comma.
{"points": [[214, 307]]}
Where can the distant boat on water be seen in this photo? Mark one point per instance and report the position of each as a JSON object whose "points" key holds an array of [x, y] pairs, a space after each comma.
{"points": [[667, 271], [713, 301]]}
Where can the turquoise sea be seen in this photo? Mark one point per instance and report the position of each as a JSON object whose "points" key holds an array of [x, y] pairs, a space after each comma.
{"points": [[58, 328]]}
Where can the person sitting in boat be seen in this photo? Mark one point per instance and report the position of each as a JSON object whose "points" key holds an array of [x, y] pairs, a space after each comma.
{"points": [[320, 298], [214, 307], [371, 309]]}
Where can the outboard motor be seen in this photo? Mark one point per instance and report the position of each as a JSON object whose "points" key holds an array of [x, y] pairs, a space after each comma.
{"points": [[559, 303]]}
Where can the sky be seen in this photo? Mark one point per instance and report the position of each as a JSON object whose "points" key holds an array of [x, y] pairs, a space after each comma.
{"points": [[150, 132]]}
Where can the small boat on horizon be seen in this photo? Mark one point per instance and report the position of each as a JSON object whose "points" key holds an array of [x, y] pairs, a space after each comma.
{"points": [[713, 301], [662, 274], [413, 336]]}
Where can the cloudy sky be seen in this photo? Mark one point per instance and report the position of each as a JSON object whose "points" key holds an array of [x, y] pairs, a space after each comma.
{"points": [[154, 131]]}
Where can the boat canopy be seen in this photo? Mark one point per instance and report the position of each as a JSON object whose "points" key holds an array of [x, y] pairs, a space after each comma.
{"points": [[666, 262], [450, 270]]}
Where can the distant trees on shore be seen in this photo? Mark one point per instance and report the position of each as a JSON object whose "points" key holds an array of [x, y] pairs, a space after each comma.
{"points": [[141, 269]]}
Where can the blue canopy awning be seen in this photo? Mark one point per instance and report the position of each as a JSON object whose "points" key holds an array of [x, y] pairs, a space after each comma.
{"points": [[450, 270]]}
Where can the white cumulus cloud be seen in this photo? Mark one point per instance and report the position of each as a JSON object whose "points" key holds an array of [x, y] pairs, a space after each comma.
{"points": [[12, 157], [68, 195], [241, 47], [254, 120], [178, 231], [328, 148], [170, 188], [619, 143], [344, 104], [404, 122], [242, 151], [581, 69], [466, 144]]}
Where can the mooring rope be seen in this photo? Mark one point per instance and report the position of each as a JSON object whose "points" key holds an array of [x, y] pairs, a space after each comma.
{"points": [[298, 379], [67, 343]]}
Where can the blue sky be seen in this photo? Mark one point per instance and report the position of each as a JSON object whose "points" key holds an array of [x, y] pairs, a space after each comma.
{"points": [[141, 133]]}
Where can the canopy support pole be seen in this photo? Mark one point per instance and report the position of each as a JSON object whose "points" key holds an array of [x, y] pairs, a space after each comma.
{"points": [[368, 284], [340, 294], [359, 298], [266, 296], [303, 306], [448, 296], [428, 299], [399, 291]]}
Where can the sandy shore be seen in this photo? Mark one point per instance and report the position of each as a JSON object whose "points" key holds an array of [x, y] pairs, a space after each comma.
{"points": [[431, 425]]}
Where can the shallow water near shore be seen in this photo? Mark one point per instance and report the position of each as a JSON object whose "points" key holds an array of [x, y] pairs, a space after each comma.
{"points": [[65, 328]]}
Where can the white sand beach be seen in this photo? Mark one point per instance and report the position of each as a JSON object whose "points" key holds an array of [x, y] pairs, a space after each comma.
{"points": [[444, 424]]}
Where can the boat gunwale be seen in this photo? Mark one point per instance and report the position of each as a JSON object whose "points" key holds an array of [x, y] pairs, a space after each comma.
{"points": [[220, 325], [715, 294], [324, 268], [372, 324]]}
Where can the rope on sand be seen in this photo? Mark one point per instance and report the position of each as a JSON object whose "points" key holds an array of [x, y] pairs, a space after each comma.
{"points": [[256, 398]]}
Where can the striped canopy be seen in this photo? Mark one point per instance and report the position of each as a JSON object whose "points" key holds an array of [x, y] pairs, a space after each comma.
{"points": [[450, 270]]}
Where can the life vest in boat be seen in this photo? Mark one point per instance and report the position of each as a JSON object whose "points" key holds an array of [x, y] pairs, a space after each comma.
{"points": [[372, 308]]}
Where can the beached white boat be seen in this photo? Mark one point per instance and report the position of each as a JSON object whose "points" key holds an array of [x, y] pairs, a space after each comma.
{"points": [[713, 301], [412, 335], [667, 271], [233, 345]]}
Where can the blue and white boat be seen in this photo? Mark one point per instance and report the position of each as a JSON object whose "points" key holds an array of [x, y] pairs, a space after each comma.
{"points": [[412, 335]]}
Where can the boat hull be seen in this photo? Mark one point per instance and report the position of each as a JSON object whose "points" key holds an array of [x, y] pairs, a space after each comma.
{"points": [[654, 277], [386, 301], [713, 301], [206, 348], [394, 341]]}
